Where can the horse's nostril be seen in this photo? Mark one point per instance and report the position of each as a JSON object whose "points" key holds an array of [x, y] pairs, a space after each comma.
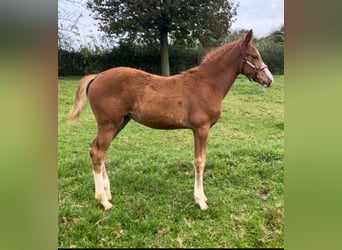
{"points": [[267, 83]]}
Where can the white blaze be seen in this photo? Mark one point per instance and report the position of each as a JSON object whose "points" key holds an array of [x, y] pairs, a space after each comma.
{"points": [[268, 74]]}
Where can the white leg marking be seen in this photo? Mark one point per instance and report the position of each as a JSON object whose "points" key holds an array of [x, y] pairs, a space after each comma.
{"points": [[99, 185], [106, 184], [200, 197], [100, 194]]}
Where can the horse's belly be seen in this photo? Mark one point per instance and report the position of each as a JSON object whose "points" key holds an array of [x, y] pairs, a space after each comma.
{"points": [[160, 121], [161, 115]]}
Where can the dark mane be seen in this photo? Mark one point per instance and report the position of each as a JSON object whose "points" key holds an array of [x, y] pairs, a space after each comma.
{"points": [[211, 55]]}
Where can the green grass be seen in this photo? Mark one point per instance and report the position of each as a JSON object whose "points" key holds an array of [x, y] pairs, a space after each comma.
{"points": [[152, 178]]}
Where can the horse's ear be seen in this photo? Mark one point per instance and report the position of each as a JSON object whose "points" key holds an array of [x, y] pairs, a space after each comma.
{"points": [[249, 37]]}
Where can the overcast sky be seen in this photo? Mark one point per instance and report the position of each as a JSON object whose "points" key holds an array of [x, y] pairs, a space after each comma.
{"points": [[263, 16]]}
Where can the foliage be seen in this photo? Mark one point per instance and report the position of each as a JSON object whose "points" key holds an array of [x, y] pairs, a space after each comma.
{"points": [[272, 50], [142, 57], [144, 21], [147, 57], [150, 22], [237, 34], [152, 177]]}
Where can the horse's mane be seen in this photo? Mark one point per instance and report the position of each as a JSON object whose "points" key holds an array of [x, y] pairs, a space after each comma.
{"points": [[214, 53]]}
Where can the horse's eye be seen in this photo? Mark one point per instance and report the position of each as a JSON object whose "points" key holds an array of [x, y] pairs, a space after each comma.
{"points": [[255, 57]]}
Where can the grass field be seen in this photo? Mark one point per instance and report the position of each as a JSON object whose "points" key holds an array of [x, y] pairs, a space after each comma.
{"points": [[152, 178]]}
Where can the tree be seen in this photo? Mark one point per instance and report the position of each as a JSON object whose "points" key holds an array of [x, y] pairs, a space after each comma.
{"points": [[148, 21], [272, 49], [67, 24], [236, 34]]}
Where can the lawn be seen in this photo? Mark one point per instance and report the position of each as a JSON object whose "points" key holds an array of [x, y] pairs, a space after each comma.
{"points": [[152, 178]]}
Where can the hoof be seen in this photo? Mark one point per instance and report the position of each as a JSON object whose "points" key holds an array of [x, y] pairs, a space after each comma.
{"points": [[203, 205], [107, 205]]}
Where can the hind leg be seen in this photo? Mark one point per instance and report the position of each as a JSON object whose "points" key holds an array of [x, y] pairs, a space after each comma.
{"points": [[97, 153], [124, 122], [106, 183]]}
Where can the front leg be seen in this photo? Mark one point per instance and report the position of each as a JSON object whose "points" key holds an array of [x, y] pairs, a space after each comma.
{"points": [[199, 195], [201, 137]]}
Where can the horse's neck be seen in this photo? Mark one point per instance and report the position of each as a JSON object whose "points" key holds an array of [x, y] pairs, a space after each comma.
{"points": [[221, 76]]}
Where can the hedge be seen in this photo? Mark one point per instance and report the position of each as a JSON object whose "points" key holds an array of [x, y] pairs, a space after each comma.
{"points": [[147, 58]]}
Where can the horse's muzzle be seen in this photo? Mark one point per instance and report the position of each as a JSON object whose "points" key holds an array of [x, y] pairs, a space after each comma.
{"points": [[267, 83]]}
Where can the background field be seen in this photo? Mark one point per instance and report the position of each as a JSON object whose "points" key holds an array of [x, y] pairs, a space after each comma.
{"points": [[152, 178]]}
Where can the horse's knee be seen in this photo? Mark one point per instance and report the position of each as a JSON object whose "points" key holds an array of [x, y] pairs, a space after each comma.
{"points": [[199, 163]]}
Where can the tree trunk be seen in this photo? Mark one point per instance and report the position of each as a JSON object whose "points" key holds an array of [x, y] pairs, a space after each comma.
{"points": [[164, 52]]}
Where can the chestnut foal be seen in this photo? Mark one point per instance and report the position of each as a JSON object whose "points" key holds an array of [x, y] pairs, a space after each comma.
{"points": [[189, 100]]}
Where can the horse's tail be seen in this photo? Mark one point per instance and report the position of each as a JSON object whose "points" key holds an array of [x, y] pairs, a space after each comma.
{"points": [[81, 98]]}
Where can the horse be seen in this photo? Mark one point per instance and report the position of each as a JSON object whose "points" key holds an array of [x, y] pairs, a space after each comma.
{"points": [[189, 100]]}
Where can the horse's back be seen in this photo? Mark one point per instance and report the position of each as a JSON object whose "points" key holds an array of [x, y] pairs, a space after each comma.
{"points": [[155, 101], [126, 81]]}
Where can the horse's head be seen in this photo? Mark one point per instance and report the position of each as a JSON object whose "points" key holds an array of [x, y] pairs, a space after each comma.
{"points": [[252, 64]]}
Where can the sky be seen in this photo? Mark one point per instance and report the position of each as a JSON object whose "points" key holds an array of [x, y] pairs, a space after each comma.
{"points": [[263, 16]]}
